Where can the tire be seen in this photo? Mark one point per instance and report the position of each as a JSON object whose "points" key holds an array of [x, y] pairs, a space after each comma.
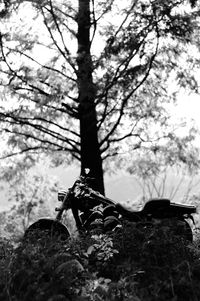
{"points": [[47, 227], [177, 227], [184, 230]]}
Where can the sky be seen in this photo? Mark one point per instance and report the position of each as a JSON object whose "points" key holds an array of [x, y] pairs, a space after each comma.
{"points": [[188, 107], [187, 111]]}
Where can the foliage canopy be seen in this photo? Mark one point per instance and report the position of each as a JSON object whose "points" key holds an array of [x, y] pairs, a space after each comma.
{"points": [[79, 78]]}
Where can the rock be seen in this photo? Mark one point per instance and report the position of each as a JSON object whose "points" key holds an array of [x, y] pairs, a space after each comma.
{"points": [[59, 259], [69, 269], [58, 298]]}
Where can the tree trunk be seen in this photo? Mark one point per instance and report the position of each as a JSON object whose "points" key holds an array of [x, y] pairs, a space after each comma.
{"points": [[90, 151]]}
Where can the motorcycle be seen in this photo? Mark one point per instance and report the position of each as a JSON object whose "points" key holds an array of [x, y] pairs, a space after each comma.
{"points": [[95, 213]]}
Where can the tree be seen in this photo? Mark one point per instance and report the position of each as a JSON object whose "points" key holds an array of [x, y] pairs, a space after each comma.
{"points": [[32, 196], [83, 100], [167, 170]]}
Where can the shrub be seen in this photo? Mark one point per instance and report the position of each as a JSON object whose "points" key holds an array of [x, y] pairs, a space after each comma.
{"points": [[137, 264]]}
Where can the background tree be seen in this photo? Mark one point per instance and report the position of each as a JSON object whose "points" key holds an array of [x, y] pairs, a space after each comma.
{"points": [[79, 78], [167, 171], [31, 195]]}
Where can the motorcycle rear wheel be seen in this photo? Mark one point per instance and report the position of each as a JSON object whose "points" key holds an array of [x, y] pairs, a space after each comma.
{"points": [[184, 230], [178, 227], [172, 227]]}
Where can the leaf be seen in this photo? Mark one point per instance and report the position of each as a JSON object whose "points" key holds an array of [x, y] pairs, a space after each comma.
{"points": [[90, 250], [107, 281]]}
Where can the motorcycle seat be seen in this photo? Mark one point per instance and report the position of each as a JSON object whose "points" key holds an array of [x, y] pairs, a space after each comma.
{"points": [[148, 208], [160, 207], [166, 207], [154, 204]]}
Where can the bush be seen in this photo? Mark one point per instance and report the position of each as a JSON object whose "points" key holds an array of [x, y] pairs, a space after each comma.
{"points": [[134, 264]]}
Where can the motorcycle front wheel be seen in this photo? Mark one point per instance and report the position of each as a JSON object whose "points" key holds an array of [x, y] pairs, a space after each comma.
{"points": [[47, 227]]}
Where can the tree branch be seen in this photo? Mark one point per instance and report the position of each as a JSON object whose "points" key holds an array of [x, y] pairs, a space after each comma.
{"points": [[125, 100], [56, 146], [20, 152], [66, 57], [94, 23], [73, 113], [40, 128]]}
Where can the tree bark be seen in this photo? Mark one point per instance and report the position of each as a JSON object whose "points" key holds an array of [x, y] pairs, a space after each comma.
{"points": [[90, 149]]}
